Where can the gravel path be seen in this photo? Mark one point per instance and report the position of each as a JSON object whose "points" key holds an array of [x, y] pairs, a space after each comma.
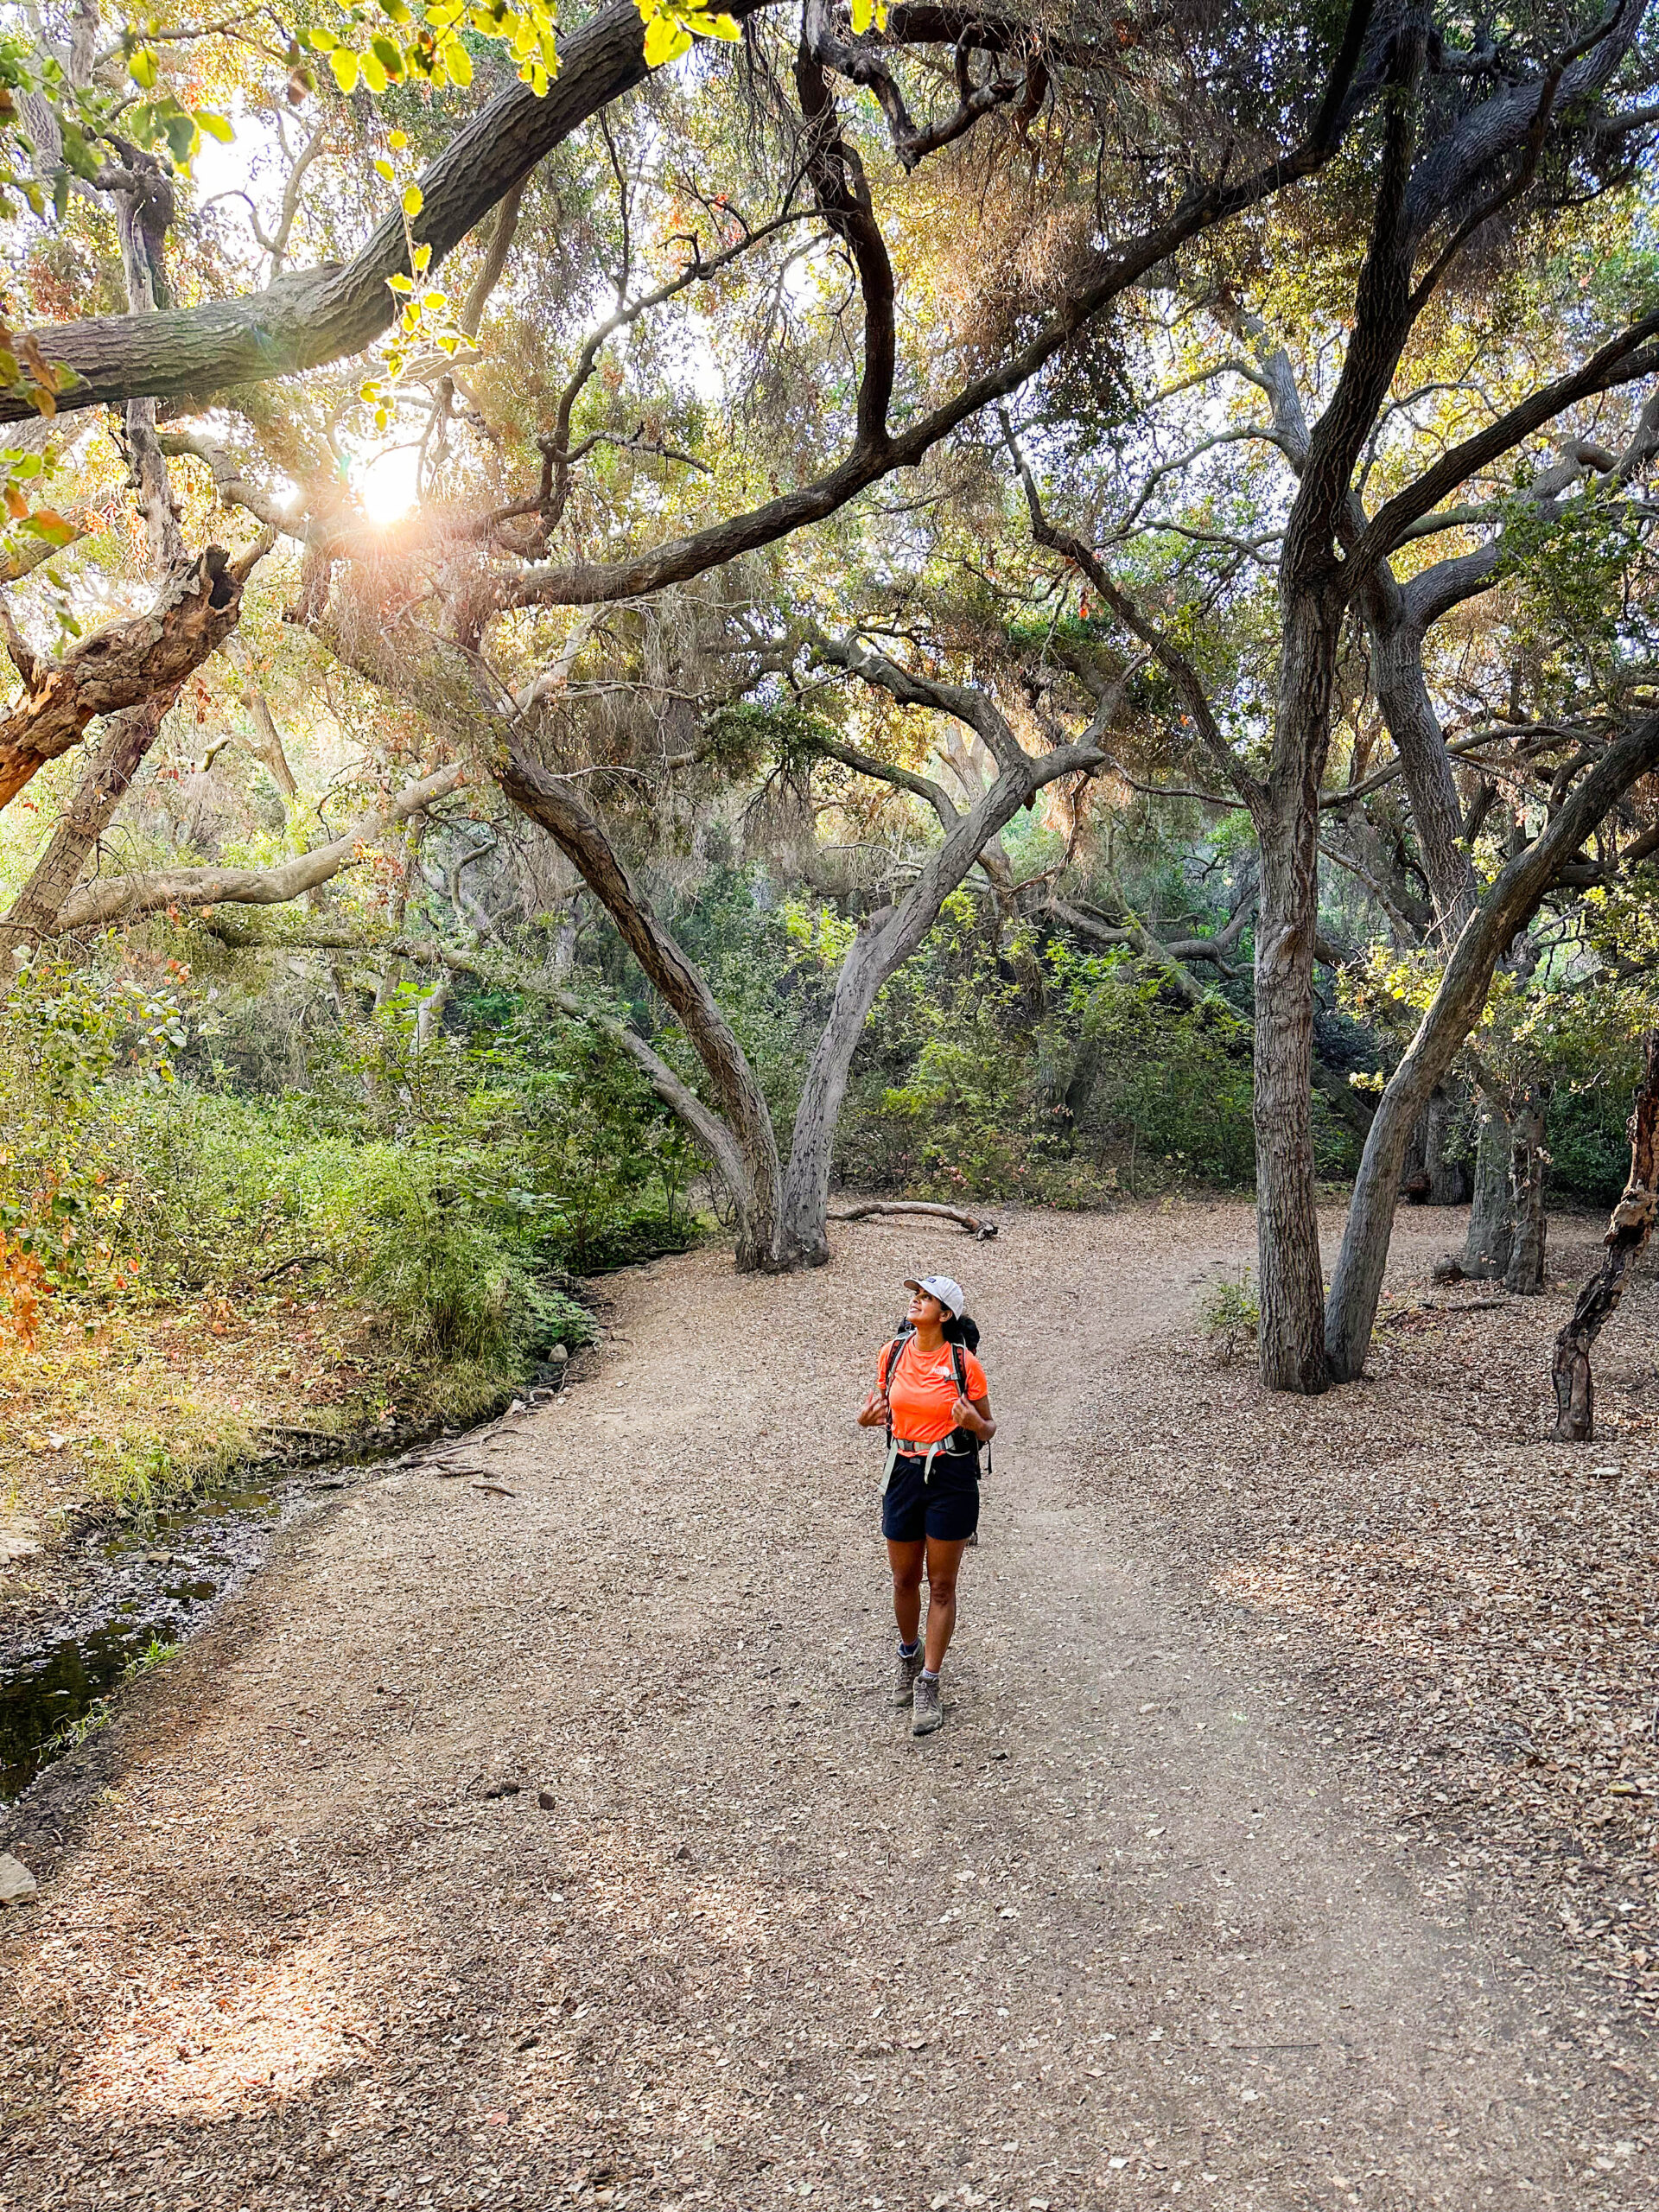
{"points": [[732, 1938]]}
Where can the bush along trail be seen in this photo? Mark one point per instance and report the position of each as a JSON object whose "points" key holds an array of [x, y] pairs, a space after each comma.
{"points": [[536, 1829]]}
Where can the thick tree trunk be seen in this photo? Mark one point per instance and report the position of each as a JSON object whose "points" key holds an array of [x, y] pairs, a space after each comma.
{"points": [[1510, 905], [804, 1238], [1491, 1214], [1524, 1273], [1291, 1339], [1626, 1240], [305, 318]]}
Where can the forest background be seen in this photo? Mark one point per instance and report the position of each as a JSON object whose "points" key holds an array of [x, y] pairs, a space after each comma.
{"points": [[618, 627]]}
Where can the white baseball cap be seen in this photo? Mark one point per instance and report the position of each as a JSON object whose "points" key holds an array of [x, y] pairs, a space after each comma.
{"points": [[946, 1288]]}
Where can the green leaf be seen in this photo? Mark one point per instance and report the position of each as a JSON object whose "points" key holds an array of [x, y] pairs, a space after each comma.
{"points": [[46, 523], [343, 62], [181, 135], [390, 56], [143, 66]]}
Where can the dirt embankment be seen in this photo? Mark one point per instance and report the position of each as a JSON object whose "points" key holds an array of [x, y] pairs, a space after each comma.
{"points": [[538, 1833]]}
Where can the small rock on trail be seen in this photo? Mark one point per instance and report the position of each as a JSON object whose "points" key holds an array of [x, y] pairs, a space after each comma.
{"points": [[17, 1884]]}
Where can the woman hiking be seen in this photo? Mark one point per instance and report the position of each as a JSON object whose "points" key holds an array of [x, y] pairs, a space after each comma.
{"points": [[930, 1397]]}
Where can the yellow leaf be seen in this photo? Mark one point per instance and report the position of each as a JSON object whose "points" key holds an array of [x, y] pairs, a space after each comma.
{"points": [[414, 200], [322, 41], [374, 75], [665, 40], [398, 141], [142, 67], [343, 62], [458, 63], [384, 169], [400, 283]]}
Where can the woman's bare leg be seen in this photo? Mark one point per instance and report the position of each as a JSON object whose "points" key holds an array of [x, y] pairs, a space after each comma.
{"points": [[907, 1561], [943, 1560]]}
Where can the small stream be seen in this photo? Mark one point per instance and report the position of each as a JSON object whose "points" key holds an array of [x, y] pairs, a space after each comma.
{"points": [[146, 1592], [142, 1591]]}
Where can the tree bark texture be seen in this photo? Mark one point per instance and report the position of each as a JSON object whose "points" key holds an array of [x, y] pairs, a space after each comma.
{"points": [[1491, 1219], [551, 801], [1448, 1184], [1509, 906], [1524, 1273], [1425, 765], [1625, 1241], [1291, 1340], [121, 666]]}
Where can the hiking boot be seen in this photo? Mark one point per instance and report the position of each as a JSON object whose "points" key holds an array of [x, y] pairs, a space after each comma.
{"points": [[924, 1707], [905, 1668]]}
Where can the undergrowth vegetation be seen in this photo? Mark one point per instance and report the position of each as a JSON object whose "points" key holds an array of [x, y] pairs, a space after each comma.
{"points": [[456, 1176]]}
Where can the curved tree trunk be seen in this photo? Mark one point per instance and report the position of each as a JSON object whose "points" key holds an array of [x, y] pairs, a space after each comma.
{"points": [[1425, 765], [1626, 1240], [879, 948], [551, 801], [1510, 905]]}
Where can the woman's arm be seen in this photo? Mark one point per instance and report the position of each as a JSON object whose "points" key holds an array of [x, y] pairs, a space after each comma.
{"points": [[974, 1415]]}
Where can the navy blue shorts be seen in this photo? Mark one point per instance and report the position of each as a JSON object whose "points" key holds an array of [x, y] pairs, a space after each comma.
{"points": [[947, 1507]]}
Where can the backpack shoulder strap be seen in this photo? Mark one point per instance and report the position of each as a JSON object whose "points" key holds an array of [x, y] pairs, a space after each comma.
{"points": [[960, 1361], [890, 1356]]}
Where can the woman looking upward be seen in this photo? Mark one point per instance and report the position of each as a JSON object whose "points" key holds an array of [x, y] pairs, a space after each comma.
{"points": [[932, 1397]]}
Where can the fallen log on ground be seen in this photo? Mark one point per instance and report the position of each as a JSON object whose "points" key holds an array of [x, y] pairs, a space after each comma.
{"points": [[981, 1229]]}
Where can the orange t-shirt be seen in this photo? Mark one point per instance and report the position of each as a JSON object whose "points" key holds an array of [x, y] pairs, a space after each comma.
{"points": [[922, 1388]]}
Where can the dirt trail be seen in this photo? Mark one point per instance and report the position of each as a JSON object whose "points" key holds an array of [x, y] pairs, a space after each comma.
{"points": [[1109, 1937]]}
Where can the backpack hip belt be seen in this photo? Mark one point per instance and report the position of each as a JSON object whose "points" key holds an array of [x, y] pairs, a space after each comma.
{"points": [[907, 1447]]}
